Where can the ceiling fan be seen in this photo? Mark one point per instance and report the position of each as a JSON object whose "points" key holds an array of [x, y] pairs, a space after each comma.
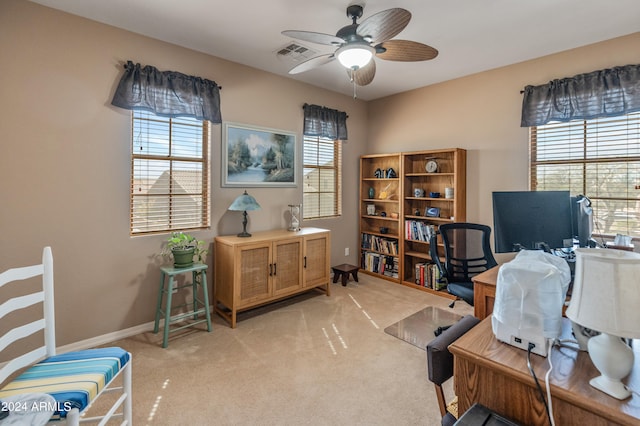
{"points": [[357, 44]]}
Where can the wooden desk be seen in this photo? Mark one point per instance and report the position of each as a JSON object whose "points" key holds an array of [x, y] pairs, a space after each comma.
{"points": [[495, 375], [484, 292]]}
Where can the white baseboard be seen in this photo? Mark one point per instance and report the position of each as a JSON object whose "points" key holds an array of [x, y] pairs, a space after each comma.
{"points": [[101, 340], [112, 337], [106, 338]]}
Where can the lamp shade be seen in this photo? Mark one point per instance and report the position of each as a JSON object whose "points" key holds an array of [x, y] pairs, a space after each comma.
{"points": [[354, 55], [244, 202], [606, 292]]}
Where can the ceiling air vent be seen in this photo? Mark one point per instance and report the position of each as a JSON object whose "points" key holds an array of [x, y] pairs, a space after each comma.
{"points": [[295, 52]]}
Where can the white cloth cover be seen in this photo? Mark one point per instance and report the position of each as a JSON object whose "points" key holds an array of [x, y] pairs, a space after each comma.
{"points": [[530, 293]]}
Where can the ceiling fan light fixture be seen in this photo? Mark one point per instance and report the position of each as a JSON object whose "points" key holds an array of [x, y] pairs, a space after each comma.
{"points": [[355, 55]]}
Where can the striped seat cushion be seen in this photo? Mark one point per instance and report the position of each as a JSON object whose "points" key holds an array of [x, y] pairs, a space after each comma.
{"points": [[74, 379]]}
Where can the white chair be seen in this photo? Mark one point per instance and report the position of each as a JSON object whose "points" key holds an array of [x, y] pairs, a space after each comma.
{"points": [[75, 379]]}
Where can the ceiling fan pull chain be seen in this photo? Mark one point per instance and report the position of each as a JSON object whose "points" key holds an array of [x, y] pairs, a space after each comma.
{"points": [[353, 80]]}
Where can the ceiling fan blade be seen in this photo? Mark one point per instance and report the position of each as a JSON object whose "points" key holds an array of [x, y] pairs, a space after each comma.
{"points": [[319, 38], [406, 51], [363, 76], [384, 25], [312, 63]]}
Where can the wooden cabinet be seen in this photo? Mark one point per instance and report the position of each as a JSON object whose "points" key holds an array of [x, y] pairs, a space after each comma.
{"points": [[434, 192], [268, 266], [315, 261], [380, 212], [426, 188]]}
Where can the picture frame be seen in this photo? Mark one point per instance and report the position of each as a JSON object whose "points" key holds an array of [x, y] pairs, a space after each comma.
{"points": [[255, 156], [432, 212]]}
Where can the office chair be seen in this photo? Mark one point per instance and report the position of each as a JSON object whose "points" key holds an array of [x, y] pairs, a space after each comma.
{"points": [[440, 361], [74, 379], [467, 252]]}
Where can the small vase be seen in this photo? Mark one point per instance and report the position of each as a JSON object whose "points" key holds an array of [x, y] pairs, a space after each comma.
{"points": [[372, 192]]}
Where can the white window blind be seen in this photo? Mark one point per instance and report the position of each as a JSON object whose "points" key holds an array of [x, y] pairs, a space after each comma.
{"points": [[322, 166], [599, 158], [169, 174]]}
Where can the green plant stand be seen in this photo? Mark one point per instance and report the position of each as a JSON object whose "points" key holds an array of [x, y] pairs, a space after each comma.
{"points": [[197, 306]]}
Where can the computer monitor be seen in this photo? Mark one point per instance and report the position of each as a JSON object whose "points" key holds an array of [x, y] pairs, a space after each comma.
{"points": [[532, 220], [582, 220]]}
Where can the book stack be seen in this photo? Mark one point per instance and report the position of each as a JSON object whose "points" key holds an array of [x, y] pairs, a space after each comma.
{"points": [[380, 264], [428, 275], [418, 231], [379, 244]]}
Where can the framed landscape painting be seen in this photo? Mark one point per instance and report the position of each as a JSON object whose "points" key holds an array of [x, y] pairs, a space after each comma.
{"points": [[255, 156]]}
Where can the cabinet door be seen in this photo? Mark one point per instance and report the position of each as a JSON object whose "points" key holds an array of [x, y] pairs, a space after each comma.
{"points": [[254, 283], [316, 262], [287, 266]]}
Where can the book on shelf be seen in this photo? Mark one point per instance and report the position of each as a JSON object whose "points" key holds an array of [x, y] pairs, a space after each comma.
{"points": [[392, 267], [379, 244], [418, 230], [380, 264], [416, 273], [429, 278], [421, 273], [428, 275], [436, 278]]}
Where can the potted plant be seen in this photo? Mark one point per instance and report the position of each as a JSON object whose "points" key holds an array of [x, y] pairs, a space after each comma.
{"points": [[183, 248]]}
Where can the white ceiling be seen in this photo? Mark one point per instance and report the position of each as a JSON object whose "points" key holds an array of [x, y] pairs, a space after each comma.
{"points": [[471, 35]]}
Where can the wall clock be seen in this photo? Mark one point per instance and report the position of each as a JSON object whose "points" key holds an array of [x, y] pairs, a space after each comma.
{"points": [[431, 166]]}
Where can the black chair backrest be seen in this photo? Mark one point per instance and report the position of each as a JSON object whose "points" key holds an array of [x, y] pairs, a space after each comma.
{"points": [[467, 250]]}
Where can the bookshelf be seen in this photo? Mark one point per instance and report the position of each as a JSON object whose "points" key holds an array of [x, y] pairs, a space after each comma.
{"points": [[409, 205], [432, 195], [380, 215]]}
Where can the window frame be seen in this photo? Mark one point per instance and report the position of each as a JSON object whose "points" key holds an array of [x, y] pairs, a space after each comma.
{"points": [[316, 141], [597, 152], [204, 160]]}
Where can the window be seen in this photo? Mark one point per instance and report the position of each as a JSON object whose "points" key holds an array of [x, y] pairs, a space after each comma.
{"points": [[169, 174], [322, 178], [599, 158]]}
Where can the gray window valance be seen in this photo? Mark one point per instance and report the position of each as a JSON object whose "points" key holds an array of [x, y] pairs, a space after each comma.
{"points": [[324, 122], [603, 93], [168, 93]]}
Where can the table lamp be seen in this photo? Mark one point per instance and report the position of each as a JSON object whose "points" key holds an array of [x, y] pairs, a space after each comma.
{"points": [[606, 298], [243, 203]]}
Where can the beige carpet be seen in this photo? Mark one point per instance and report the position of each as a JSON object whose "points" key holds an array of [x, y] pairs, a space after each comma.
{"points": [[312, 360]]}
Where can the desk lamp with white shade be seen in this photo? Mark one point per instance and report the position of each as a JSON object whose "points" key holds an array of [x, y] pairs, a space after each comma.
{"points": [[606, 298]]}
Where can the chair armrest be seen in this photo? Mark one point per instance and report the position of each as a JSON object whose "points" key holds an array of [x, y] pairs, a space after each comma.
{"points": [[439, 359]]}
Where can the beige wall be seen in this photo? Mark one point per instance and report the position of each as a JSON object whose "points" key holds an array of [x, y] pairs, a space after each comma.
{"points": [[481, 113], [65, 160]]}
